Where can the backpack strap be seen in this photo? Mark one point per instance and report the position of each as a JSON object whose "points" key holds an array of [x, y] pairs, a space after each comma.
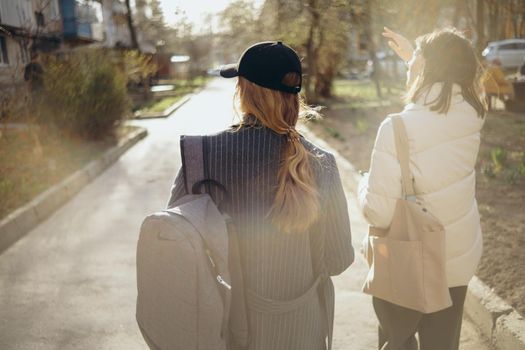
{"points": [[196, 169], [403, 155], [196, 174], [192, 154], [193, 149]]}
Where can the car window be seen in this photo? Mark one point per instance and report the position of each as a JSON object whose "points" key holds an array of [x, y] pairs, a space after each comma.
{"points": [[520, 46], [511, 46]]}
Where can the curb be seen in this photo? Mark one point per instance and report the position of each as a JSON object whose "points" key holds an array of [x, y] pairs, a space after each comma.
{"points": [[497, 321], [166, 113], [24, 219]]}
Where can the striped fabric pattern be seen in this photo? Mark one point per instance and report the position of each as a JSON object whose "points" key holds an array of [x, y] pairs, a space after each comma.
{"points": [[277, 265]]}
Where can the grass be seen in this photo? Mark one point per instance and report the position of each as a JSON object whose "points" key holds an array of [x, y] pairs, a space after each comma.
{"points": [[362, 94], [356, 101], [158, 106], [195, 82], [355, 90], [182, 88], [334, 133], [32, 161]]}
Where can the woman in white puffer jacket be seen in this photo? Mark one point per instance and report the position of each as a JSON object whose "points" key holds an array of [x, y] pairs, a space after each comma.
{"points": [[443, 119]]}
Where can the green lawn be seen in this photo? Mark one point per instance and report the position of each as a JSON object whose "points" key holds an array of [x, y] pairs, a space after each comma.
{"points": [[363, 94], [182, 87], [355, 89], [195, 82], [159, 106]]}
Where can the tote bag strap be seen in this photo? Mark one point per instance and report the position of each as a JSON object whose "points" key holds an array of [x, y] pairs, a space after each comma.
{"points": [[403, 155]]}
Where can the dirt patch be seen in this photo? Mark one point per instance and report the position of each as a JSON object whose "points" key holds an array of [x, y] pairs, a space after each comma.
{"points": [[351, 128], [501, 196]]}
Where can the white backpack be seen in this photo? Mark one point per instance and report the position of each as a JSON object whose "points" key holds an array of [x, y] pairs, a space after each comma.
{"points": [[183, 270]]}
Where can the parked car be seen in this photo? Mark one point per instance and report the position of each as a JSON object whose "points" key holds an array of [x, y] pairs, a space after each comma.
{"points": [[510, 52]]}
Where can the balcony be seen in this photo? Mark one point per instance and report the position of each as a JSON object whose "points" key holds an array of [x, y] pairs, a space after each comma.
{"points": [[16, 14], [82, 20]]}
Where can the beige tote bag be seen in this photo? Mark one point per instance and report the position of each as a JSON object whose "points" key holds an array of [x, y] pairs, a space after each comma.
{"points": [[407, 260]]}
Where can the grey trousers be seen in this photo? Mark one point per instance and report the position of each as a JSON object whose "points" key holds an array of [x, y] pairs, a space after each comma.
{"points": [[436, 331]]}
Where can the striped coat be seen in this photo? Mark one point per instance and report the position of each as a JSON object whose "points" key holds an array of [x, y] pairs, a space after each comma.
{"points": [[278, 266]]}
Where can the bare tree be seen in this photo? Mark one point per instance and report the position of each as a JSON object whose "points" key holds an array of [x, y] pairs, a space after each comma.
{"points": [[131, 27], [480, 25], [376, 75], [493, 19], [314, 30]]}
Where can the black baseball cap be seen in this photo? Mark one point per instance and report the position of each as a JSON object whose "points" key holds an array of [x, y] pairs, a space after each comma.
{"points": [[265, 64]]}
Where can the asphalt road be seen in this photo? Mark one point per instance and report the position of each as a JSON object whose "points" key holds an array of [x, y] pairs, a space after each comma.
{"points": [[71, 284]]}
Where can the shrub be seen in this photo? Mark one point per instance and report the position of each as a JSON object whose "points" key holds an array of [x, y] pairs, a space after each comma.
{"points": [[138, 67], [499, 158], [85, 93], [334, 133]]}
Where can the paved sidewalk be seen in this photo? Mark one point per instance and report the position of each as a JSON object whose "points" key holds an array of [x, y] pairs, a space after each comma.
{"points": [[71, 282]]}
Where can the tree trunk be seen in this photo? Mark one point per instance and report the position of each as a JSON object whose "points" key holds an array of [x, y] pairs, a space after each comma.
{"points": [[311, 96], [493, 20], [132, 32], [279, 17], [323, 82], [516, 19], [323, 74], [480, 25], [376, 74]]}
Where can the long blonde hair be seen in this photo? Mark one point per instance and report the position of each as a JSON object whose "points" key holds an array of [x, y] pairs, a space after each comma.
{"points": [[296, 204]]}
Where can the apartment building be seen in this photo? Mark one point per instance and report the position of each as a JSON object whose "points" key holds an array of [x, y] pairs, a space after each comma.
{"points": [[26, 25]]}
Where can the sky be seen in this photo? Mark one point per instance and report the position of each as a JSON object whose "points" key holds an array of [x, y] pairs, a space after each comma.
{"points": [[195, 10]]}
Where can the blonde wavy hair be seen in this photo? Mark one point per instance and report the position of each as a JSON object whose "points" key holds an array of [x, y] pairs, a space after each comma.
{"points": [[296, 204]]}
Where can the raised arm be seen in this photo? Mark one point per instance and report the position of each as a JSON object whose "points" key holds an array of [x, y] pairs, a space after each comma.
{"points": [[401, 45]]}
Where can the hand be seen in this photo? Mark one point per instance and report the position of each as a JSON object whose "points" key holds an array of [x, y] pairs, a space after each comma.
{"points": [[401, 45]]}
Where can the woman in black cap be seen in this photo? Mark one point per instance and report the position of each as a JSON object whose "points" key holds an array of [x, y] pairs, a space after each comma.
{"points": [[287, 202]]}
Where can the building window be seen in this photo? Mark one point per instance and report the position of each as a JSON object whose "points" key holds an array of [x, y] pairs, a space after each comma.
{"points": [[39, 16], [3, 51]]}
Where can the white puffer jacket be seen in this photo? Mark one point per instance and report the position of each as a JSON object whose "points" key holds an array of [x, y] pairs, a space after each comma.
{"points": [[443, 152]]}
